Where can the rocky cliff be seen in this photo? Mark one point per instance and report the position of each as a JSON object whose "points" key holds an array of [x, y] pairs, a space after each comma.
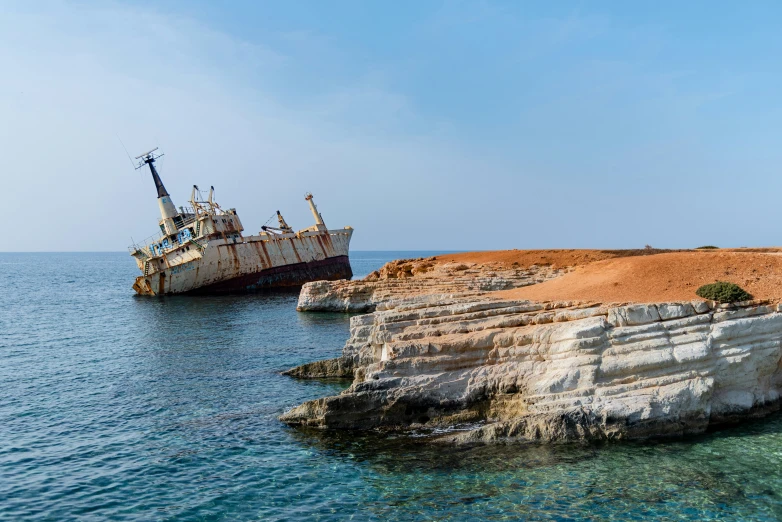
{"points": [[404, 281], [504, 369]]}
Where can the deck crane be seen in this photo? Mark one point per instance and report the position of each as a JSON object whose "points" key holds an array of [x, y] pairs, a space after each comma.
{"points": [[282, 229]]}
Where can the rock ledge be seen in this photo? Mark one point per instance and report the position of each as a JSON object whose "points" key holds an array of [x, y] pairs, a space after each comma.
{"points": [[408, 280], [551, 371]]}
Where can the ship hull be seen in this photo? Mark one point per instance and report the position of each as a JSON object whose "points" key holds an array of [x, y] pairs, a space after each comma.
{"points": [[248, 264], [295, 275]]}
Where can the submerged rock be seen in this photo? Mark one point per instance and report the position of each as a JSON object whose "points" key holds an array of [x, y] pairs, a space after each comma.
{"points": [[341, 367], [553, 371]]}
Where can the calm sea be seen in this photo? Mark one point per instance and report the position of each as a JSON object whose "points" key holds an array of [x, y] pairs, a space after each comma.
{"points": [[120, 408]]}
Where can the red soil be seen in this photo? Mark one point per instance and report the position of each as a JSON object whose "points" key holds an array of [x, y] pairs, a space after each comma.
{"points": [[648, 278], [525, 258]]}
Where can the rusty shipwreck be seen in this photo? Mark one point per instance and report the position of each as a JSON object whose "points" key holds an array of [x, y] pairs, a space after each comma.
{"points": [[201, 249]]}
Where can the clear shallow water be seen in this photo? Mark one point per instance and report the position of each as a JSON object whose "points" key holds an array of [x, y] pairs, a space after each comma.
{"points": [[119, 408]]}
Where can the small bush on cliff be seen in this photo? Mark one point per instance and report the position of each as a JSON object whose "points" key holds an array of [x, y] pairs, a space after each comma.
{"points": [[723, 292], [707, 247]]}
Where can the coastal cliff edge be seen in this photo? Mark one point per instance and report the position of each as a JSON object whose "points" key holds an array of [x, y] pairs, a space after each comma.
{"points": [[487, 365]]}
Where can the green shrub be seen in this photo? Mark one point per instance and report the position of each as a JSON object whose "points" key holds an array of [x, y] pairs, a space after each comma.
{"points": [[723, 292], [707, 247]]}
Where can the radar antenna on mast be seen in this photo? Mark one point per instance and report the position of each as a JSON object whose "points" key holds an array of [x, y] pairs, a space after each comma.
{"points": [[147, 158]]}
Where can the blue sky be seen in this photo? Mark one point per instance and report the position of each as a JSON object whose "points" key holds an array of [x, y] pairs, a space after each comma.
{"points": [[424, 125]]}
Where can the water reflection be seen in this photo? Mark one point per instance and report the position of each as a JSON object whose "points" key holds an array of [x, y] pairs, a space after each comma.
{"points": [[395, 452], [726, 475]]}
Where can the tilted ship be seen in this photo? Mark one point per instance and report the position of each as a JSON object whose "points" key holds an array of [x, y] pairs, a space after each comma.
{"points": [[201, 249]]}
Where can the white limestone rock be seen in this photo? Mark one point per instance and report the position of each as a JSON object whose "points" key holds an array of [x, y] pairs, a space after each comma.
{"points": [[555, 371]]}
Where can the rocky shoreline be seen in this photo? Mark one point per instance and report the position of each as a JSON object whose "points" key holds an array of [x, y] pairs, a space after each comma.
{"points": [[546, 371], [406, 280]]}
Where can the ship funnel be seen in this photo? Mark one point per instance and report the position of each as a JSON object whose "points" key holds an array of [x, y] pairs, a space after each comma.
{"points": [[167, 208]]}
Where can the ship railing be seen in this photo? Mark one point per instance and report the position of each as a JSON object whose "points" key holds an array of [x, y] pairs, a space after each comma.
{"points": [[188, 221], [201, 211], [157, 244], [143, 246]]}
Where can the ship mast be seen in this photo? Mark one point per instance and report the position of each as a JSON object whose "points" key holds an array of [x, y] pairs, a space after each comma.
{"points": [[167, 208], [318, 218]]}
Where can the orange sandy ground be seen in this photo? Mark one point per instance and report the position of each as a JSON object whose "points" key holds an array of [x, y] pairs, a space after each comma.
{"points": [[524, 258], [614, 276]]}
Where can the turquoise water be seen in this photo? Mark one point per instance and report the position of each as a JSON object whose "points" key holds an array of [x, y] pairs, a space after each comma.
{"points": [[119, 408]]}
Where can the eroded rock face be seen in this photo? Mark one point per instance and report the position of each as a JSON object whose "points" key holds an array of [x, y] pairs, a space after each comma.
{"points": [[405, 281], [340, 367], [555, 371]]}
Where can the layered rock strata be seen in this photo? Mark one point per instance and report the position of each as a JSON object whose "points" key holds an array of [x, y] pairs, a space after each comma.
{"points": [[405, 281], [555, 371], [340, 367]]}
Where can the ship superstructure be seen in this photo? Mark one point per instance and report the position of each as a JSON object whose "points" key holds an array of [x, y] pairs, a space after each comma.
{"points": [[202, 249]]}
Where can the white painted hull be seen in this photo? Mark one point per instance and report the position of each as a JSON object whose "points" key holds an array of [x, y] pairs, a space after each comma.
{"points": [[247, 264]]}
